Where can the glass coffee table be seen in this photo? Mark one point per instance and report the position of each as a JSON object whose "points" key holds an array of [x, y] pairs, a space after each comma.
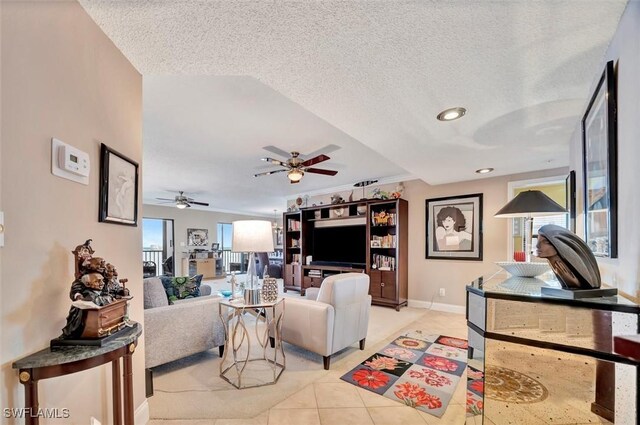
{"points": [[250, 360]]}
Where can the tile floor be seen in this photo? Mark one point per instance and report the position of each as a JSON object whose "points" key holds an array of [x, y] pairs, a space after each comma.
{"points": [[331, 401]]}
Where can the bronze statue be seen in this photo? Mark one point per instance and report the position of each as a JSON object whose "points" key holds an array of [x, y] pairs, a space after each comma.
{"points": [[569, 257], [82, 253], [96, 282]]}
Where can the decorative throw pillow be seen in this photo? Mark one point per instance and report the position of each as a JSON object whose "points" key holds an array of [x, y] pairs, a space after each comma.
{"points": [[181, 287]]}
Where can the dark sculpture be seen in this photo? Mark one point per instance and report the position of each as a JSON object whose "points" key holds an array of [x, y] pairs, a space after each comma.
{"points": [[95, 282], [569, 257]]}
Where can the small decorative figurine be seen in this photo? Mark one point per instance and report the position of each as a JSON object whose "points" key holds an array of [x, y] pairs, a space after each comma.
{"points": [[399, 191], [234, 287], [336, 199], [96, 286]]}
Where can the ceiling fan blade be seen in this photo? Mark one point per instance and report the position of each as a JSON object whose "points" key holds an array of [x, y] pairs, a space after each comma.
{"points": [[277, 151], [321, 171], [315, 160], [166, 199], [326, 150], [274, 161], [269, 172], [205, 204], [165, 202]]}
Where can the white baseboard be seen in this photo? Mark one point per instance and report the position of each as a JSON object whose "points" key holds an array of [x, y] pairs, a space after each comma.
{"points": [[448, 308], [141, 415]]}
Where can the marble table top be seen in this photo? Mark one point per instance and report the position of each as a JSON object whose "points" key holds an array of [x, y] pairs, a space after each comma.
{"points": [[69, 354]]}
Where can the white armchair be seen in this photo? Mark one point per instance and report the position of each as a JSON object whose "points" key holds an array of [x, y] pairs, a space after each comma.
{"points": [[338, 318]]}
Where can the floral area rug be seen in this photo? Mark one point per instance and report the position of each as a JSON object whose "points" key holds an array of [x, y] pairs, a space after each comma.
{"points": [[421, 371]]}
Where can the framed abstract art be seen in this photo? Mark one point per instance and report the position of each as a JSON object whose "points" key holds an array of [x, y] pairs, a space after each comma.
{"points": [[599, 165]]}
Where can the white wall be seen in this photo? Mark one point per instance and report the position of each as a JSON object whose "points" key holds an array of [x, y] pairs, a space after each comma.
{"points": [[624, 50], [62, 77]]}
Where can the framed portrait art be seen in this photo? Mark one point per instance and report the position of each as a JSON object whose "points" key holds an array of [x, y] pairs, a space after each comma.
{"points": [[454, 228], [118, 188], [599, 165]]}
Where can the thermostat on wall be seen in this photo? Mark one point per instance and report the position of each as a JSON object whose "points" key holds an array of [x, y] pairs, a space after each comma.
{"points": [[69, 162]]}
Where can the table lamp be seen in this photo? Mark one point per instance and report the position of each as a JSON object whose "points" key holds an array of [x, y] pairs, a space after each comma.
{"points": [[530, 204], [251, 236]]}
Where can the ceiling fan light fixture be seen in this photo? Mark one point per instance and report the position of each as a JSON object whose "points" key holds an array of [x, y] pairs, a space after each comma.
{"points": [[452, 114], [181, 205], [295, 175]]}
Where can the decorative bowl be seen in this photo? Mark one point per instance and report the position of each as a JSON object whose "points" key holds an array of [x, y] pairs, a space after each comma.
{"points": [[524, 269], [226, 292]]}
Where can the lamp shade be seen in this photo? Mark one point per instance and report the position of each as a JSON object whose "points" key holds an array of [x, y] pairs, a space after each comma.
{"points": [[295, 175], [530, 203], [251, 236]]}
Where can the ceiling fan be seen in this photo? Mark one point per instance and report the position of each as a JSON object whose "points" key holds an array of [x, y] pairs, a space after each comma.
{"points": [[294, 166], [182, 201]]}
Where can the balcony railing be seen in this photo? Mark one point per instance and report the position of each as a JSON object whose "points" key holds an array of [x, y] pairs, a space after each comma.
{"points": [[157, 257], [228, 258]]}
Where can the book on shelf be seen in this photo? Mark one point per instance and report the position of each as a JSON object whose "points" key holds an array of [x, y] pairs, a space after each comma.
{"points": [[295, 259], [293, 225], [383, 262], [388, 241]]}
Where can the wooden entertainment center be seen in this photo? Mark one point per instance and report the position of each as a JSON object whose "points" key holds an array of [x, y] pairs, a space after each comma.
{"points": [[367, 236]]}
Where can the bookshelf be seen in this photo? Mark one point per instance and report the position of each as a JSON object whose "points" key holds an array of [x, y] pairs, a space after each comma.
{"points": [[292, 250], [383, 241], [387, 252]]}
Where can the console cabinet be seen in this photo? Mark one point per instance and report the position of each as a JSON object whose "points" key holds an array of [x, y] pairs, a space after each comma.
{"points": [[209, 268], [386, 244]]}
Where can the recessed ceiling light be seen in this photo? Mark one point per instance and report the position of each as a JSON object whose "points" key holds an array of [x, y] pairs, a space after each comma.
{"points": [[484, 170], [452, 114]]}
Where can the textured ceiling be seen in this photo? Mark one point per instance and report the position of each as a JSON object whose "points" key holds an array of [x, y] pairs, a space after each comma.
{"points": [[378, 72], [205, 135]]}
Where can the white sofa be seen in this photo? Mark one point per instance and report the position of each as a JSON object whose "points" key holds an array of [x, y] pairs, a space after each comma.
{"points": [[338, 317], [175, 331]]}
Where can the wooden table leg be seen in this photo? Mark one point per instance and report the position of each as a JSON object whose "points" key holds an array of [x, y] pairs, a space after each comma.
{"points": [[117, 395], [30, 397], [128, 388]]}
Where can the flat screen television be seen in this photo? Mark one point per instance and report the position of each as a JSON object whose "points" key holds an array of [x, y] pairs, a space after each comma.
{"points": [[342, 246]]}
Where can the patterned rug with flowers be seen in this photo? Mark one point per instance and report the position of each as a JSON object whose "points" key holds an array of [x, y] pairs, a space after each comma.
{"points": [[419, 370]]}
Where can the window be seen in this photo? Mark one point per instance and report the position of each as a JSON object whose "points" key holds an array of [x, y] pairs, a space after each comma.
{"points": [[555, 188], [224, 236], [152, 234], [157, 246]]}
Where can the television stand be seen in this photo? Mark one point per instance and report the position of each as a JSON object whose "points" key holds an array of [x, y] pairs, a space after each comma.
{"points": [[313, 275]]}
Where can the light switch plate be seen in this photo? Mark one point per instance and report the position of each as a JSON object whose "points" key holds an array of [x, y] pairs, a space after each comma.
{"points": [[1, 229]]}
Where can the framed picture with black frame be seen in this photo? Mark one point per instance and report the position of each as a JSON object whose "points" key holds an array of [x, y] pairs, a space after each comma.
{"points": [[570, 205], [599, 150], [118, 188], [454, 228]]}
